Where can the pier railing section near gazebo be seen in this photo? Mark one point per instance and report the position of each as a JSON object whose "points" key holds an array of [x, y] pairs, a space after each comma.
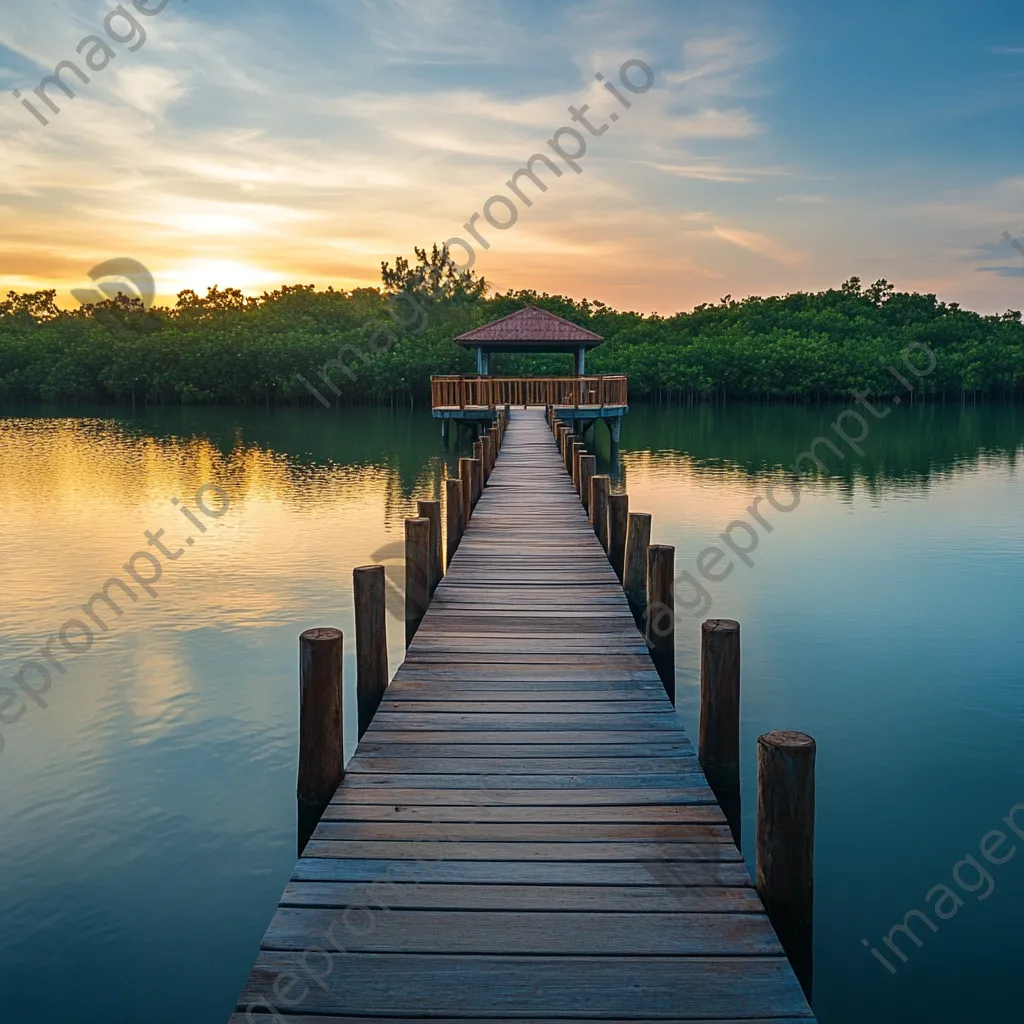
{"points": [[490, 392]]}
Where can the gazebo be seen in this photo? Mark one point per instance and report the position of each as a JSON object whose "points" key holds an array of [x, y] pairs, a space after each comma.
{"points": [[584, 400]]}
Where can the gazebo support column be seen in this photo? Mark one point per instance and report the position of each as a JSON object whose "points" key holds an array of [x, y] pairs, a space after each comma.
{"points": [[580, 361]]}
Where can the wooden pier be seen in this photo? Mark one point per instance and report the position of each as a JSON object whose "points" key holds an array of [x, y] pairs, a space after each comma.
{"points": [[524, 832]]}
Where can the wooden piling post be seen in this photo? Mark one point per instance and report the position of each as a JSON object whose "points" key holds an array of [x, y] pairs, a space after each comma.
{"points": [[417, 574], [588, 467], [570, 440], [487, 459], [371, 641], [618, 517], [477, 478], [661, 614], [495, 445], [719, 736], [466, 479], [479, 455], [578, 449], [431, 510], [600, 488], [321, 754], [785, 844], [454, 525], [634, 572]]}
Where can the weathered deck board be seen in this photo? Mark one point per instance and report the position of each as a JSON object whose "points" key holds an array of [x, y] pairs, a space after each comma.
{"points": [[524, 833]]}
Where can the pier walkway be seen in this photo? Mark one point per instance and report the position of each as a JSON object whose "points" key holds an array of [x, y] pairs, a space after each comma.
{"points": [[524, 833]]}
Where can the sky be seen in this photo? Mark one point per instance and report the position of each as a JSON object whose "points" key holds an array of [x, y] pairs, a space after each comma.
{"points": [[782, 146]]}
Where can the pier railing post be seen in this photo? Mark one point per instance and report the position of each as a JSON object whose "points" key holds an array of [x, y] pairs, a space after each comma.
{"points": [[466, 480], [495, 445], [321, 754], [634, 573], [661, 614], [454, 526], [618, 516], [417, 574], [719, 737], [431, 511], [785, 844], [588, 467], [371, 641], [600, 488]]}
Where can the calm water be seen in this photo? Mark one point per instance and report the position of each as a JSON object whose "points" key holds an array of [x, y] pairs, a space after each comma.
{"points": [[148, 809]]}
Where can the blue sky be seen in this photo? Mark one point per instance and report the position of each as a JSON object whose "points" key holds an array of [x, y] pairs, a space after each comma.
{"points": [[783, 146]]}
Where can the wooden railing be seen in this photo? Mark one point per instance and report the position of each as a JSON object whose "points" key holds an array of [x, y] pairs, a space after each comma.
{"points": [[489, 392]]}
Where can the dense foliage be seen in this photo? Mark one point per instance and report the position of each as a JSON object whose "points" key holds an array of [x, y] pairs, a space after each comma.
{"points": [[384, 344]]}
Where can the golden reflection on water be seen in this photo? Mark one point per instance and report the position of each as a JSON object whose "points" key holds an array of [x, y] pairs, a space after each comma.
{"points": [[77, 498]]}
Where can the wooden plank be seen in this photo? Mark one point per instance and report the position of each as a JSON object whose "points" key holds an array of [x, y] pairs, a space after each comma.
{"points": [[662, 851], [552, 814], [591, 873], [541, 832], [526, 794], [710, 899], [529, 932], [533, 987]]}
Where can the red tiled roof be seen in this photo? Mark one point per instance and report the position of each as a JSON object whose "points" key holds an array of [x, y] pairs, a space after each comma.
{"points": [[530, 325]]}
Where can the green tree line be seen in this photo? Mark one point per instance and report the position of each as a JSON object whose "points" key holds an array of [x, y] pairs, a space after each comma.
{"points": [[383, 344]]}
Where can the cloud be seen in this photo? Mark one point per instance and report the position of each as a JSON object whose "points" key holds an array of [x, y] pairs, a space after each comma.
{"points": [[758, 243], [710, 171]]}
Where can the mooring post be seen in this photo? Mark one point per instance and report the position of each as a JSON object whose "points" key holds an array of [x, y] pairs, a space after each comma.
{"points": [[431, 511], [371, 641], [477, 477], [454, 526], [488, 456], [634, 572], [618, 517], [661, 614], [417, 574], [495, 445], [600, 488], [466, 480], [588, 467], [719, 736], [478, 456], [321, 753], [579, 449], [785, 844]]}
